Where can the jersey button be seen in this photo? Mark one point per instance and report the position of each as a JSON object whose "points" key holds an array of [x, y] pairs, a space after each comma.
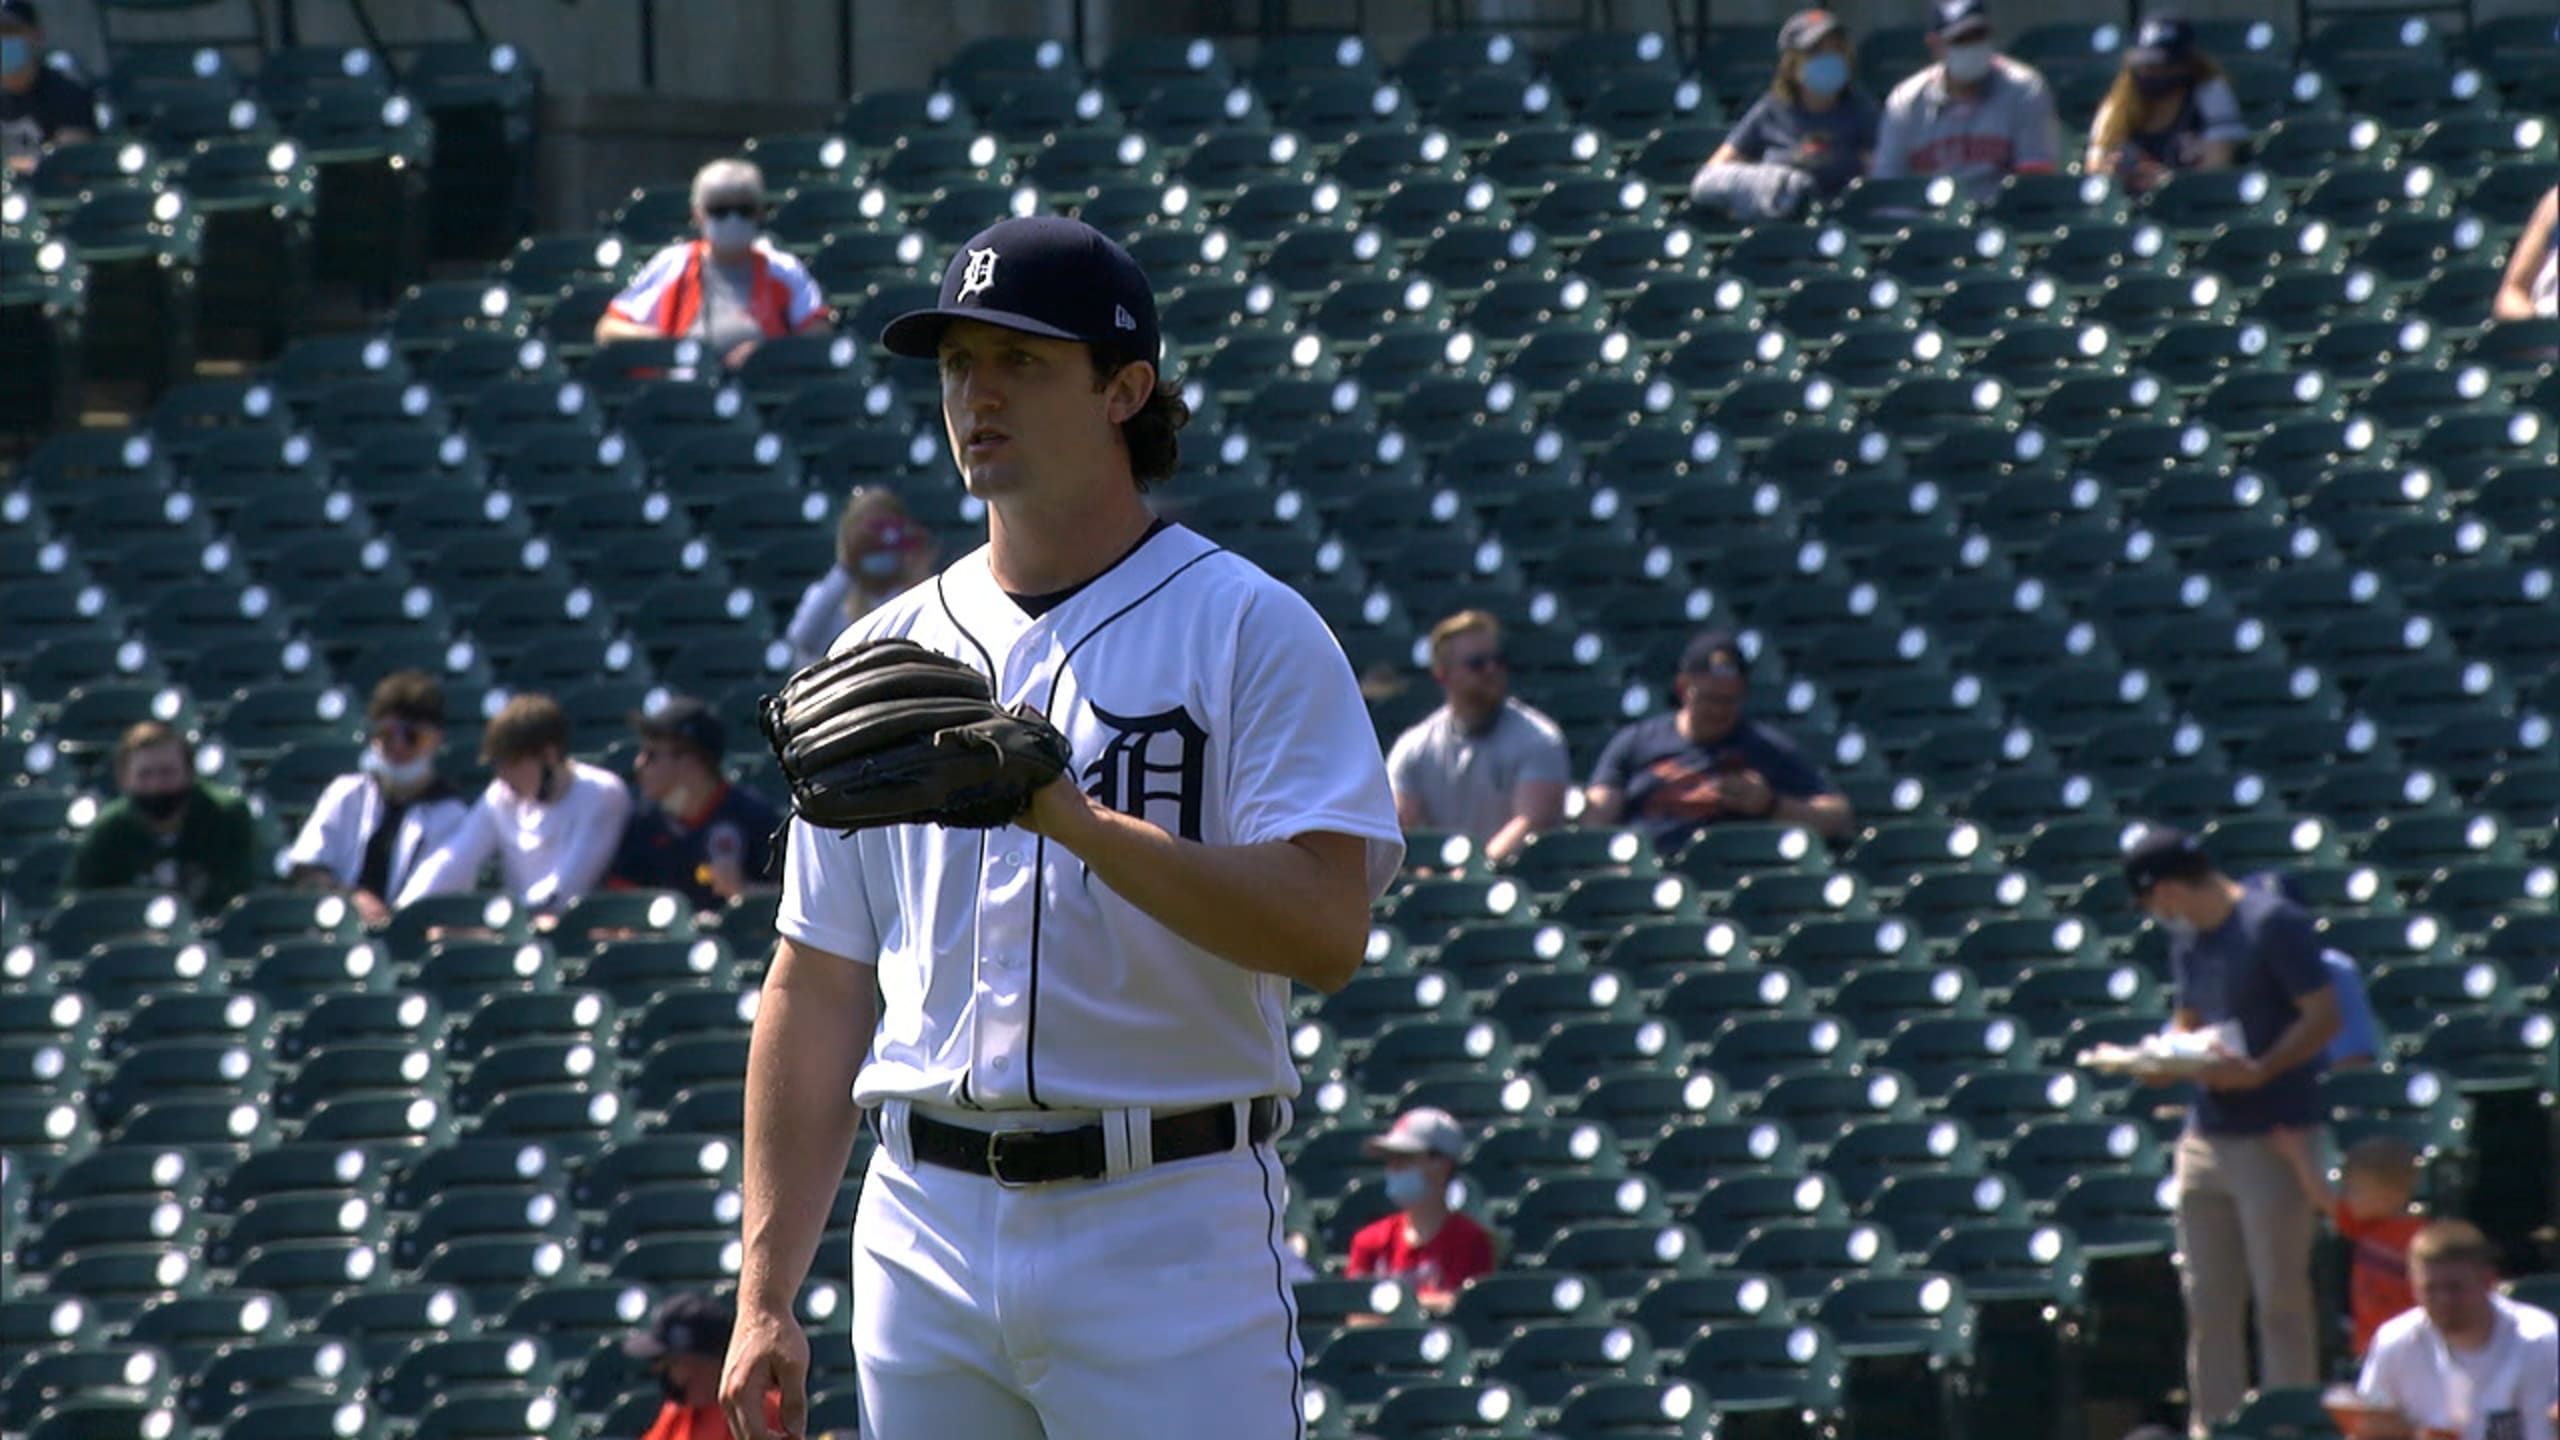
{"points": [[1001, 1064]]}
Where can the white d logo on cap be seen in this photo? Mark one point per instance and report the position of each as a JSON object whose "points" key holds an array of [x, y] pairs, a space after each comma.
{"points": [[980, 274]]}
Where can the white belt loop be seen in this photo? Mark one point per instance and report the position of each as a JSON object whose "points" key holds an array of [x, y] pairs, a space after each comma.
{"points": [[1285, 1115], [894, 1135], [1128, 1140]]}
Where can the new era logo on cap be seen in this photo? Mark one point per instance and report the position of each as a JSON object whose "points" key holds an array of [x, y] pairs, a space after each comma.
{"points": [[1122, 319]]}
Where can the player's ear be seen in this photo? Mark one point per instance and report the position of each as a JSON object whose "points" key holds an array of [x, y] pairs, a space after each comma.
{"points": [[1130, 390]]}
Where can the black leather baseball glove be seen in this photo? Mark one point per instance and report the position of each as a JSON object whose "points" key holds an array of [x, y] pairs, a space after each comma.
{"points": [[891, 733]]}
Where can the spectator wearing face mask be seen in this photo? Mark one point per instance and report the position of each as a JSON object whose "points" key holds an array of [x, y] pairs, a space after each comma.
{"points": [[1975, 114], [880, 552], [2170, 109], [169, 830], [372, 827], [732, 289], [699, 834], [40, 104], [1436, 1248], [551, 823], [1812, 134]]}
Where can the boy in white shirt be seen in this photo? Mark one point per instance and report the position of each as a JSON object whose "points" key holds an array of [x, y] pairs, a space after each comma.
{"points": [[2468, 1363], [551, 822]]}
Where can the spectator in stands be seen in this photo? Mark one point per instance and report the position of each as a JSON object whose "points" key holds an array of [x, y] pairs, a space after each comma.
{"points": [[549, 821], [880, 552], [1706, 762], [684, 1347], [1813, 133], [1483, 764], [2170, 109], [2359, 1042], [2246, 964], [2375, 1209], [40, 104], [699, 833], [2532, 285], [168, 830], [732, 289], [2468, 1363], [1975, 114], [1438, 1249], [371, 827]]}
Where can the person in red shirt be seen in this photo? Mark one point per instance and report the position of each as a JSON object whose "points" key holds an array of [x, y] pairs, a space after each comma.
{"points": [[1435, 1247], [684, 1346], [2376, 1211]]}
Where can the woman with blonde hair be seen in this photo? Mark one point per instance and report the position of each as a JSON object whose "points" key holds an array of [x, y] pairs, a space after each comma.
{"points": [[881, 550], [1812, 134], [2170, 109]]}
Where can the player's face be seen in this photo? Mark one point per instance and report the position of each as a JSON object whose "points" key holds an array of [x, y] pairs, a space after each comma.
{"points": [[2454, 1293], [1022, 411]]}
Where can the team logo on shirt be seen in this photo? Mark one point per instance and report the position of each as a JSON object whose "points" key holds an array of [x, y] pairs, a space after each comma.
{"points": [[980, 275], [1149, 759], [2505, 1425]]}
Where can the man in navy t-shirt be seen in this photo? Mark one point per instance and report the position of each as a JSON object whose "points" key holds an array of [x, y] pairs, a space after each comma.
{"points": [[1676, 774], [698, 834], [2246, 962]]}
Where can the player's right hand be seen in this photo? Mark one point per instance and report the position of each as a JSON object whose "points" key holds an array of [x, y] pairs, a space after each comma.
{"points": [[764, 1386]]}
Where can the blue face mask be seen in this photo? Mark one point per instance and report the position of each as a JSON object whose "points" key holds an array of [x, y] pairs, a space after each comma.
{"points": [[1405, 1188], [1825, 74], [16, 54]]}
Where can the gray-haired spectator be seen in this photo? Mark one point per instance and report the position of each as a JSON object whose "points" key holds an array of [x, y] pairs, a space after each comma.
{"points": [[1975, 114], [1483, 764], [1813, 133], [733, 289]]}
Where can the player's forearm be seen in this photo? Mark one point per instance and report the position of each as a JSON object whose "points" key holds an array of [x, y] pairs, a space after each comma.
{"points": [[813, 1024], [1276, 908]]}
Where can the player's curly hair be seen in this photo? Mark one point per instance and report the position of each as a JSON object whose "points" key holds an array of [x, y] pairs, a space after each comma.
{"points": [[1153, 434]]}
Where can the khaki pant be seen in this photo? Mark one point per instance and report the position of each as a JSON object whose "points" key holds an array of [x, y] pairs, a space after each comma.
{"points": [[2244, 1234]]}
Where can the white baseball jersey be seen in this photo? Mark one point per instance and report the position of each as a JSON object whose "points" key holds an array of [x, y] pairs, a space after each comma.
{"points": [[550, 854], [1197, 693]]}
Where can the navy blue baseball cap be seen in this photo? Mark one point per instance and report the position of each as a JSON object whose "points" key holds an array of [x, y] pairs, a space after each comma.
{"points": [[1044, 275], [686, 721], [2161, 852], [1962, 19], [688, 1324], [2162, 40]]}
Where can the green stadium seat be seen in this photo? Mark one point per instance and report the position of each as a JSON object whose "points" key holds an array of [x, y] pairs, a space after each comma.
{"points": [[99, 1418], [1769, 1368], [1623, 1257]]}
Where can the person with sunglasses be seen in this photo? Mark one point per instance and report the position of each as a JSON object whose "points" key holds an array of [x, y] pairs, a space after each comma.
{"points": [[1483, 765], [373, 824], [732, 289]]}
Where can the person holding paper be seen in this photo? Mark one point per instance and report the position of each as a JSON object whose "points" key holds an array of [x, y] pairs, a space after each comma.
{"points": [[2247, 967]]}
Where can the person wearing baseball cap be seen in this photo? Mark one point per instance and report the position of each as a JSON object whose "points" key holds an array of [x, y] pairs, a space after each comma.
{"points": [[699, 833], [683, 1346], [1813, 133], [40, 104], [2245, 961], [1975, 114], [2171, 108], [1438, 1249], [1706, 762]]}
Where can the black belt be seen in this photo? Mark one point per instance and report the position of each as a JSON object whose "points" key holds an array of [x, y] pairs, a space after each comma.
{"points": [[1044, 1157]]}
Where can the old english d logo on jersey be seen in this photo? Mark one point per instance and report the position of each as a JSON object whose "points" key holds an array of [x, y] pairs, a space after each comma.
{"points": [[1150, 758]]}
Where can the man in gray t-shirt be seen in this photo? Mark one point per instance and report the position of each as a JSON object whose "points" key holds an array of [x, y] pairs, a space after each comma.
{"points": [[1483, 764], [1975, 114]]}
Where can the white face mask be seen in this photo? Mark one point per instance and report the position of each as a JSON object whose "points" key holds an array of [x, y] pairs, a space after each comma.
{"points": [[399, 774], [1404, 1188], [2178, 931], [1969, 62], [730, 234]]}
